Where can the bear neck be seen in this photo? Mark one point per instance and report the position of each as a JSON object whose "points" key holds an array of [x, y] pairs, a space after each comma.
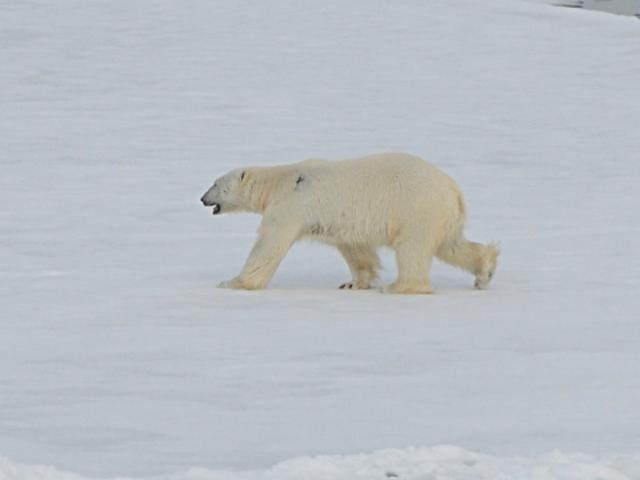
{"points": [[261, 188]]}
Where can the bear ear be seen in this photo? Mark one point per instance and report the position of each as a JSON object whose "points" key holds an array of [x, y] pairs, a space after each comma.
{"points": [[245, 176]]}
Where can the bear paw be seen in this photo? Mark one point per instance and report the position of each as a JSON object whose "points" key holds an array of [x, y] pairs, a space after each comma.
{"points": [[482, 281], [354, 286], [233, 283], [408, 289]]}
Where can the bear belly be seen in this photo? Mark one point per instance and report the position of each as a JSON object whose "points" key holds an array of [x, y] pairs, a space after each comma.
{"points": [[350, 233]]}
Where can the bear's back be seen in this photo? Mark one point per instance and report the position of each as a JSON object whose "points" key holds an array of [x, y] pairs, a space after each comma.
{"points": [[363, 197]]}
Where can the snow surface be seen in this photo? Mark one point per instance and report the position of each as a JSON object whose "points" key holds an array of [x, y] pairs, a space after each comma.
{"points": [[621, 7], [438, 463], [118, 356]]}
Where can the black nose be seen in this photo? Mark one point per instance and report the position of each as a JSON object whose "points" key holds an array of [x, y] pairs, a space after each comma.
{"points": [[203, 201]]}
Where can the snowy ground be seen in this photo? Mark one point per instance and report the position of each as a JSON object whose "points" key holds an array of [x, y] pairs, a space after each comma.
{"points": [[620, 7], [118, 356], [438, 463]]}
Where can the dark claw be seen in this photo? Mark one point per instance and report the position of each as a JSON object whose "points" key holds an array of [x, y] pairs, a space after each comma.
{"points": [[342, 286]]}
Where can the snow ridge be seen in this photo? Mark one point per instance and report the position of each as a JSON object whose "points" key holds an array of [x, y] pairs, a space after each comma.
{"points": [[443, 462]]}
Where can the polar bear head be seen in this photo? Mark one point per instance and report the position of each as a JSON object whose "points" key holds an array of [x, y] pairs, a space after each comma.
{"points": [[228, 193]]}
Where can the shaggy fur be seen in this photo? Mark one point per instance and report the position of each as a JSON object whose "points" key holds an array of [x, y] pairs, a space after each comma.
{"points": [[393, 200]]}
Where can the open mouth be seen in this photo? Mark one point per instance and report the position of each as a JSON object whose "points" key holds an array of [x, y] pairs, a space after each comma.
{"points": [[216, 208]]}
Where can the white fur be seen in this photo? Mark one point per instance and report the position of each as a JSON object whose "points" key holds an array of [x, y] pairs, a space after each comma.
{"points": [[357, 205]]}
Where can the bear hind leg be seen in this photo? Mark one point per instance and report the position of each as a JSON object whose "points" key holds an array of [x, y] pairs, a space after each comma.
{"points": [[363, 263], [476, 258], [414, 262]]}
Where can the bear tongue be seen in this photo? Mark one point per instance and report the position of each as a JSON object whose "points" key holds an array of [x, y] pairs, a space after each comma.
{"points": [[216, 208]]}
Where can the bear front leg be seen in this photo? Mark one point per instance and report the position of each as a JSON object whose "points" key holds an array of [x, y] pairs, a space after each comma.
{"points": [[363, 263], [262, 263]]}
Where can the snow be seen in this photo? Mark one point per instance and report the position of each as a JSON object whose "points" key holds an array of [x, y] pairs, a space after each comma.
{"points": [[438, 463], [119, 357], [621, 7]]}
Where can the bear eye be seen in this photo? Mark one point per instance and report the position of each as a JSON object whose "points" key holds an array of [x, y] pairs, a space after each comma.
{"points": [[242, 175]]}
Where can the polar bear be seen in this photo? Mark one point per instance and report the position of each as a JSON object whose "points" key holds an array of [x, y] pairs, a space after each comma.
{"points": [[394, 199]]}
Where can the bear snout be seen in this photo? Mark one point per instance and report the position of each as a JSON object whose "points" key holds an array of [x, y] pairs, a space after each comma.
{"points": [[205, 200]]}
